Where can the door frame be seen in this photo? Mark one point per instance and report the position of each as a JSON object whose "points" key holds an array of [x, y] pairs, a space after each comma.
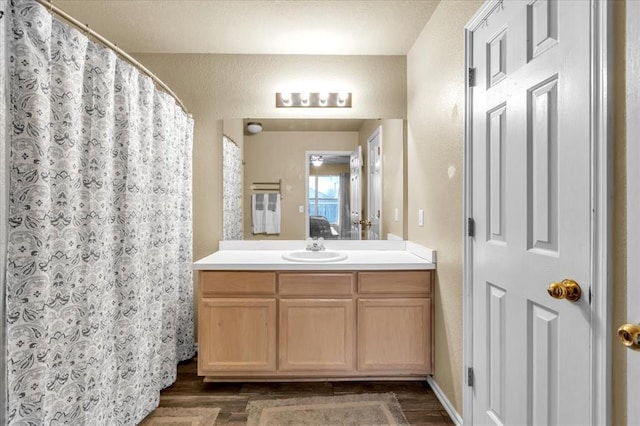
{"points": [[377, 132], [633, 200], [601, 191]]}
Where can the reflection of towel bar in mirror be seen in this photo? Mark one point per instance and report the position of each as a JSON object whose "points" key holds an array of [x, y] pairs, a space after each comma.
{"points": [[268, 187]]}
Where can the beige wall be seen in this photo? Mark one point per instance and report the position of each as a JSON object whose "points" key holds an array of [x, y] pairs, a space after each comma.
{"points": [[270, 156], [328, 169], [393, 178], [435, 146], [233, 128], [216, 87]]}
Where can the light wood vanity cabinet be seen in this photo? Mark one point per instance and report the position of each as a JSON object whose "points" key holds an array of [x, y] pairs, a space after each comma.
{"points": [[316, 322], [284, 325], [236, 323], [395, 322]]}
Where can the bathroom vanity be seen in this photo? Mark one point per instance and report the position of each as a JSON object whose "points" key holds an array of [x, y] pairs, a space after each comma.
{"points": [[262, 317]]}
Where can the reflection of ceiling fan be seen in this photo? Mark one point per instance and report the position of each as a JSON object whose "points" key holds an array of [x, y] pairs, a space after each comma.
{"points": [[328, 158], [317, 160]]}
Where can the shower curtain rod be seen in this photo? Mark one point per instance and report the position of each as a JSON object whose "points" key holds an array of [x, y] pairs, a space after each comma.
{"points": [[85, 28]]}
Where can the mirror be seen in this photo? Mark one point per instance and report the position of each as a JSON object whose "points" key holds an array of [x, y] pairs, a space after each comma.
{"points": [[277, 161]]}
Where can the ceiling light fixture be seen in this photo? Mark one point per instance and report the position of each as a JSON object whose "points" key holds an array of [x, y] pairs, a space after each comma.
{"points": [[313, 99], [254, 127], [317, 160]]}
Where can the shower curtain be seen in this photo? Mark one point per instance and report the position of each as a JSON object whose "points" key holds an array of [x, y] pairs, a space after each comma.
{"points": [[232, 220], [99, 281]]}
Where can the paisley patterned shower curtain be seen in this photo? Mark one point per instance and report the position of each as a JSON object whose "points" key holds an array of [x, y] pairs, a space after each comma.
{"points": [[231, 190], [99, 281]]}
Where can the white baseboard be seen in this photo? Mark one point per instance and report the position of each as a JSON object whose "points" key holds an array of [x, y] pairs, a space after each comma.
{"points": [[455, 417]]}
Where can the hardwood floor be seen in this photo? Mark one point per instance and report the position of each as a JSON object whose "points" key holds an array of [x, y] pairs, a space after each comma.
{"points": [[419, 404]]}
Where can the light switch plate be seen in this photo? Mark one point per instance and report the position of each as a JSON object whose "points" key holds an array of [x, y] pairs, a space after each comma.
{"points": [[300, 209], [420, 217]]}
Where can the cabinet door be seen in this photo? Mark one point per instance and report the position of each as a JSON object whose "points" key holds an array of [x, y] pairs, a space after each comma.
{"points": [[316, 334], [394, 335], [236, 335]]}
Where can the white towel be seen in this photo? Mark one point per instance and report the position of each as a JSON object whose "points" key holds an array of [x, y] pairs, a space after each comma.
{"points": [[272, 213], [258, 209]]}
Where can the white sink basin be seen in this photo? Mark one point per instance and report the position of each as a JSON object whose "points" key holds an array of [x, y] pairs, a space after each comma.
{"points": [[314, 256]]}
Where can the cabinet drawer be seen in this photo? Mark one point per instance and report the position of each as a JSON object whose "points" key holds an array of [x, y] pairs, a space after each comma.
{"points": [[392, 282], [316, 284], [214, 283]]}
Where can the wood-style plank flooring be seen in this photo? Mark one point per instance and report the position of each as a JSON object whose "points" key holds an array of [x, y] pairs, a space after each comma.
{"points": [[420, 405]]}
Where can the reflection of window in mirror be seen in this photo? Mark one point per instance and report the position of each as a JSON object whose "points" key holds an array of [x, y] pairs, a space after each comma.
{"points": [[324, 202]]}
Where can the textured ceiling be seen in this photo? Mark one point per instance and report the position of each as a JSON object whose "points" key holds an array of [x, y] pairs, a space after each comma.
{"points": [[256, 27]]}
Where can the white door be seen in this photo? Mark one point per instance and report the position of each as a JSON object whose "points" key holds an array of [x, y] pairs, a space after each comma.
{"points": [[530, 201], [355, 193], [633, 202], [374, 185]]}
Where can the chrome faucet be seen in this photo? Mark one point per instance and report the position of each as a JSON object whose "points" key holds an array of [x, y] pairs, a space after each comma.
{"points": [[315, 245]]}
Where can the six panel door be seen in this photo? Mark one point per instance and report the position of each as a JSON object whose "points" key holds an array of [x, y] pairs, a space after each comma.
{"points": [[531, 202]]}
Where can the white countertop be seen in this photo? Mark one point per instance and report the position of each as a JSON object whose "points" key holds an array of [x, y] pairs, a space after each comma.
{"points": [[362, 255]]}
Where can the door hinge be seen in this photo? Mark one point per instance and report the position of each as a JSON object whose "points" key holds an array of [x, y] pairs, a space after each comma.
{"points": [[472, 77], [471, 227], [470, 376]]}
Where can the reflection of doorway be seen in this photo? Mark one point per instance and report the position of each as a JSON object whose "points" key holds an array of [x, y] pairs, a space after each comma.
{"points": [[328, 214], [355, 194], [374, 185]]}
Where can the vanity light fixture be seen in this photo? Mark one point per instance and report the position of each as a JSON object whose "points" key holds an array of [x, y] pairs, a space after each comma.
{"points": [[254, 127], [313, 99], [285, 97], [317, 160]]}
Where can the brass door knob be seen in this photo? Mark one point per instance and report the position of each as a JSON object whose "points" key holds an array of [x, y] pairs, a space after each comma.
{"points": [[363, 222], [566, 289], [629, 335]]}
